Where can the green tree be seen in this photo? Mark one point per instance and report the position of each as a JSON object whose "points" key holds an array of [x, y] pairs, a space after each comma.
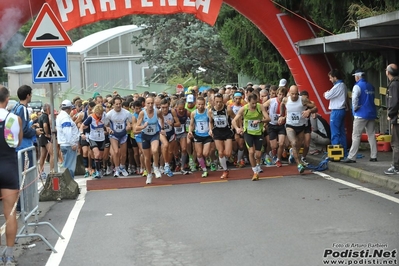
{"points": [[250, 52], [178, 44]]}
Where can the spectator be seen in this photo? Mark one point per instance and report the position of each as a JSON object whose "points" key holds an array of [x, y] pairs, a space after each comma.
{"points": [[68, 136], [320, 136], [338, 105], [393, 109], [365, 113], [21, 109]]}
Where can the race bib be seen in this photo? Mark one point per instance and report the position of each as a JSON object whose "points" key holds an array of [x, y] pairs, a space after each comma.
{"points": [[179, 130], [220, 121], [252, 126], [295, 116], [167, 127], [97, 133], [202, 127], [274, 119], [119, 126], [150, 130]]}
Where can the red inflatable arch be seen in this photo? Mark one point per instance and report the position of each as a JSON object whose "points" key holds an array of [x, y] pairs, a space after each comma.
{"points": [[309, 71]]}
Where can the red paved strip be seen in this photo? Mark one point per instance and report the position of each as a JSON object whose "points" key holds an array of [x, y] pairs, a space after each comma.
{"points": [[235, 174]]}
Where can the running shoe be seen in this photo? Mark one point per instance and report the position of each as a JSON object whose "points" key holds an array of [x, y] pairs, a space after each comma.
{"points": [[291, 158], [87, 174], [145, 173], [208, 161], [9, 261], [157, 173], [123, 171], [109, 171], [149, 179], [278, 163], [184, 172], [96, 175], [204, 174], [168, 172], [255, 177], [301, 168], [116, 174], [259, 168], [225, 174], [213, 167], [304, 161], [161, 170], [391, 171], [241, 163], [268, 161], [177, 168]]}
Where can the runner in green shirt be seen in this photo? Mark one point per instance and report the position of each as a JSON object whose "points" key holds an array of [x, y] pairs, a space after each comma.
{"points": [[254, 116]]}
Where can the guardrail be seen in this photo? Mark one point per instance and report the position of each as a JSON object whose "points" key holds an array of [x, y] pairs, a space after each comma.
{"points": [[29, 197]]}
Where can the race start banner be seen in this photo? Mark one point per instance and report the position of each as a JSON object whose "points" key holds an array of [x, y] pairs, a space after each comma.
{"points": [[76, 13]]}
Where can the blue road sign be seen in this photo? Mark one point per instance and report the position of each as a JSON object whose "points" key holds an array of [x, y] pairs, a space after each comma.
{"points": [[49, 65]]}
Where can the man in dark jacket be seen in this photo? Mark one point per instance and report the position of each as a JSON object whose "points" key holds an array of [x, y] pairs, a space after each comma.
{"points": [[21, 109], [393, 108]]}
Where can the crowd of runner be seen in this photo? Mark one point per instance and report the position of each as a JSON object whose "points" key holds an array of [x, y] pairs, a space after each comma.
{"points": [[152, 134]]}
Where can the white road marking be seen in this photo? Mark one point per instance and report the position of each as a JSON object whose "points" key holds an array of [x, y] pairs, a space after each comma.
{"points": [[358, 187], [62, 244]]}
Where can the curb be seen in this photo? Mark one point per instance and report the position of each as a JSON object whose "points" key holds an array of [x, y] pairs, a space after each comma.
{"points": [[359, 174]]}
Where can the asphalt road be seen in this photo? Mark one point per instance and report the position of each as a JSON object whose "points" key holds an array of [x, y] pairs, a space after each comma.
{"points": [[283, 221]]}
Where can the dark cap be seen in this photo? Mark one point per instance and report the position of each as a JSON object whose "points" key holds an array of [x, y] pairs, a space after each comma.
{"points": [[304, 93]]}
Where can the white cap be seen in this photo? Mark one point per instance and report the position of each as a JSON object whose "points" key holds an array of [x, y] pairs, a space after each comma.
{"points": [[282, 83], [229, 86], [66, 104], [190, 98]]}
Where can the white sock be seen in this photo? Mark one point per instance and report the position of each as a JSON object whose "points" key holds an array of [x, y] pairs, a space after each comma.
{"points": [[255, 169], [239, 155], [223, 163], [166, 165]]}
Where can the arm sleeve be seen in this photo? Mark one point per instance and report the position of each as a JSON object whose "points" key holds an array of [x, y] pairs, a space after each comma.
{"points": [[88, 121], [334, 92]]}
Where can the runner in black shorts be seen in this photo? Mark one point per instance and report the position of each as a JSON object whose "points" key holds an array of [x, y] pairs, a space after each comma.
{"points": [[96, 137], [199, 131], [307, 132], [296, 109], [220, 123]]}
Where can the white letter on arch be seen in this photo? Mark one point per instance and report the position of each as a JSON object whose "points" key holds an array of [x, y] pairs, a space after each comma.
{"points": [[64, 9], [104, 5], [146, 3], [205, 5], [86, 4]]}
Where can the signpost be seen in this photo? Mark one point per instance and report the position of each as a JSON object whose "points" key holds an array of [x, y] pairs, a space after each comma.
{"points": [[179, 88], [48, 39]]}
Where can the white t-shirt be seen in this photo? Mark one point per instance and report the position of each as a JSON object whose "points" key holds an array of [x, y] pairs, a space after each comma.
{"points": [[11, 129]]}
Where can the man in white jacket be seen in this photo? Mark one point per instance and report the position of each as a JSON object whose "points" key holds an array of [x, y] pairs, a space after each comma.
{"points": [[67, 136]]}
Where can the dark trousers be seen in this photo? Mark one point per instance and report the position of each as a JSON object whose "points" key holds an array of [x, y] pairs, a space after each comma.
{"points": [[395, 145]]}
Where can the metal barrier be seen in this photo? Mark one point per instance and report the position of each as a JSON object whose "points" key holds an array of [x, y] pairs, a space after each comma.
{"points": [[29, 197]]}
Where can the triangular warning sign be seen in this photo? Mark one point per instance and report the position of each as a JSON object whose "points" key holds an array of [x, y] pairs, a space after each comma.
{"points": [[49, 69], [47, 31]]}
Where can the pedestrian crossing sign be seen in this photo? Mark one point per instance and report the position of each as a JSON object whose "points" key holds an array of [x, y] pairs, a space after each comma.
{"points": [[50, 65]]}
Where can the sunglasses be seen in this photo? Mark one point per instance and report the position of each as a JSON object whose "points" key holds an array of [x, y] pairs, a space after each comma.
{"points": [[218, 95]]}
